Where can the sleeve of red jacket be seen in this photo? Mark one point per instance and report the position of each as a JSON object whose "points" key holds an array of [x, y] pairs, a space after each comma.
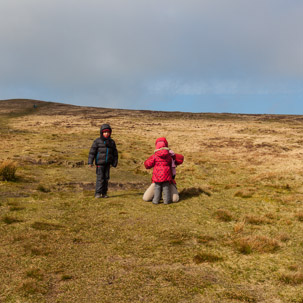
{"points": [[150, 162], [179, 159]]}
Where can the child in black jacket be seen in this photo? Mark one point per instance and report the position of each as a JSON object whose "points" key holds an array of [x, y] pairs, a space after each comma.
{"points": [[105, 154]]}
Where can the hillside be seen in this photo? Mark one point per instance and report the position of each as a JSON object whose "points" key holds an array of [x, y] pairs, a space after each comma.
{"points": [[235, 236]]}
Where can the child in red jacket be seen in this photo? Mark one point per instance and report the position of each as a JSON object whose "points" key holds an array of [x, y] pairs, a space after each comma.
{"points": [[149, 193], [161, 162]]}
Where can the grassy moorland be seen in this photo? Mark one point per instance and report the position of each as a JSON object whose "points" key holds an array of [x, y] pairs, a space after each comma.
{"points": [[235, 236]]}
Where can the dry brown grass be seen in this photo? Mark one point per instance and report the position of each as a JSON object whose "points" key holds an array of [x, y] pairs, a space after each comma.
{"points": [[260, 244], [299, 216], [223, 215], [239, 227], [244, 193], [256, 220], [240, 295], [292, 278], [241, 180], [283, 237]]}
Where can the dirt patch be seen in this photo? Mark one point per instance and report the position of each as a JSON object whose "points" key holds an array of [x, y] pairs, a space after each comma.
{"points": [[111, 185], [32, 161], [13, 195], [29, 160]]}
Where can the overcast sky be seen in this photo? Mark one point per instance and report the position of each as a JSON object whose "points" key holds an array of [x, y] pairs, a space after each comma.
{"points": [[241, 56]]}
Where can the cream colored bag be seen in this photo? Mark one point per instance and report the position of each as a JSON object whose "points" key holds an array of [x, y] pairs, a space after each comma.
{"points": [[149, 193]]}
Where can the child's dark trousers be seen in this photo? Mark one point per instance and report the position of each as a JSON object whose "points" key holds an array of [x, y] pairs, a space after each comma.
{"points": [[102, 172]]}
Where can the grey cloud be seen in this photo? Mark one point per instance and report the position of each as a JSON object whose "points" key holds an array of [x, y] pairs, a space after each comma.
{"points": [[114, 49]]}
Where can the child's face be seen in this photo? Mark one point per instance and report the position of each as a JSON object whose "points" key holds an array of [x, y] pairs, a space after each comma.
{"points": [[106, 134]]}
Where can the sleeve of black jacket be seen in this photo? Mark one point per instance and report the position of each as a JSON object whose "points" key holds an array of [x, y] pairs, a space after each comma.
{"points": [[115, 163], [92, 153]]}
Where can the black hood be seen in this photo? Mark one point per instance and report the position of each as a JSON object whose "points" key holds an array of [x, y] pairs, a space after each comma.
{"points": [[105, 126]]}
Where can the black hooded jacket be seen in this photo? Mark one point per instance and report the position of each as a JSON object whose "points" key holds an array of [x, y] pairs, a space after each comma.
{"points": [[103, 150]]}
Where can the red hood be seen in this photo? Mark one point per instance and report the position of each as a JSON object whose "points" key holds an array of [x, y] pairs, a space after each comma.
{"points": [[163, 141]]}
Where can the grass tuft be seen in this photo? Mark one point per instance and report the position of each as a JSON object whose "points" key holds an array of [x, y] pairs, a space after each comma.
{"points": [[244, 194], [284, 237], [43, 188], [293, 278], [30, 288], [299, 216], [240, 295], [36, 251], [66, 277], [260, 244], [193, 192], [35, 274], [205, 239], [46, 226], [206, 257], [223, 215], [16, 208], [293, 267], [8, 170], [10, 220], [239, 227], [244, 246], [255, 220]]}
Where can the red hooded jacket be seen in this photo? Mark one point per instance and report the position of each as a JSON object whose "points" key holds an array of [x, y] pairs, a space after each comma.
{"points": [[161, 162]]}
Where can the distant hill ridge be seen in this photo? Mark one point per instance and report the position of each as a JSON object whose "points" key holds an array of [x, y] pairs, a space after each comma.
{"points": [[56, 108]]}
